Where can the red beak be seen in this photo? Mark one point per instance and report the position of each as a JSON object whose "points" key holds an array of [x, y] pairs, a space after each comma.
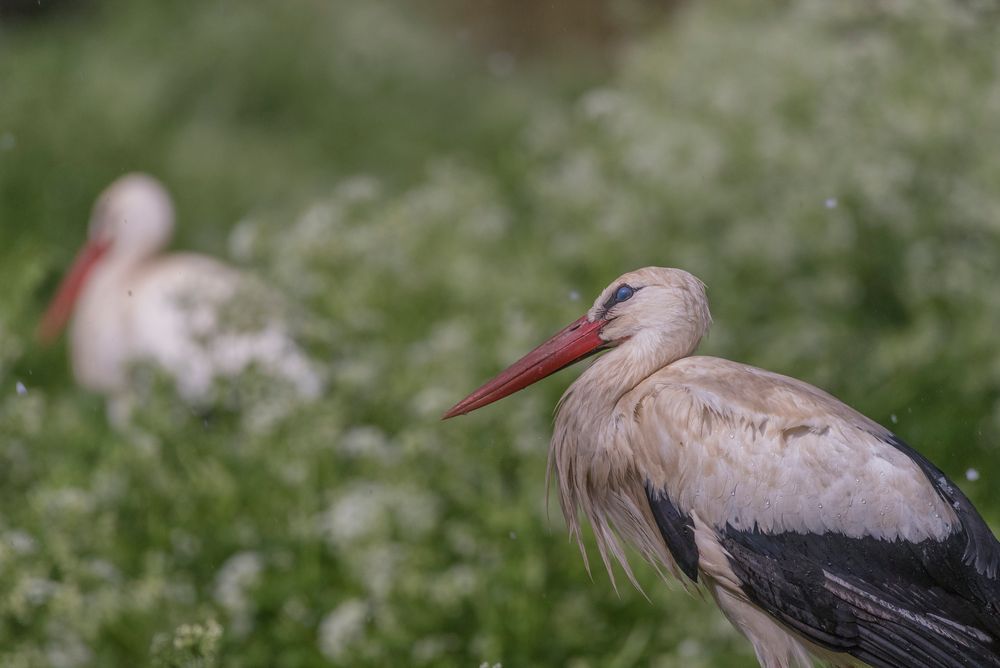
{"points": [[577, 341], [58, 312]]}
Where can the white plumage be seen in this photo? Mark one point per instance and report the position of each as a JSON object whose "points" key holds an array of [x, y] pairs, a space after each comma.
{"points": [[818, 532], [743, 446]]}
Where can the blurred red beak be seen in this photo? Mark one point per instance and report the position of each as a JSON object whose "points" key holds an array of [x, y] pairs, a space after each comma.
{"points": [[577, 341], [59, 311]]}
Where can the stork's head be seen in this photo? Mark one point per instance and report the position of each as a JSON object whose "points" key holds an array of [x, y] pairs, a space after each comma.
{"points": [[652, 310], [132, 219], [653, 303]]}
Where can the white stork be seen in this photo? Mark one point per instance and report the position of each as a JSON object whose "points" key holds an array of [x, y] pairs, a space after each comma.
{"points": [[197, 319], [819, 533]]}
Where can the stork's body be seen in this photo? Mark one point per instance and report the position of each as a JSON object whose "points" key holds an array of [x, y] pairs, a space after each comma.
{"points": [[817, 531], [197, 319]]}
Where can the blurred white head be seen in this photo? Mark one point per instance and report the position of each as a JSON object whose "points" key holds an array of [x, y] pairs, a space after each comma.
{"points": [[133, 218]]}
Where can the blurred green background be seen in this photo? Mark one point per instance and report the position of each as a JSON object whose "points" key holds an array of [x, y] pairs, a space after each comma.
{"points": [[438, 186]]}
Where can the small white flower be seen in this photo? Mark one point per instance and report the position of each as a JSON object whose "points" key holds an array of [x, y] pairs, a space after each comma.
{"points": [[354, 515], [359, 188], [600, 103], [238, 575], [342, 628], [20, 542], [365, 440], [67, 650]]}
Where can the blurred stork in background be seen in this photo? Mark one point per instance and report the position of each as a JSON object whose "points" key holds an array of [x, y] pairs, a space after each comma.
{"points": [[191, 316], [820, 534]]}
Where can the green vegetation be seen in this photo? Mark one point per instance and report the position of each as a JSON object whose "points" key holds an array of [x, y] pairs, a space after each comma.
{"points": [[830, 170]]}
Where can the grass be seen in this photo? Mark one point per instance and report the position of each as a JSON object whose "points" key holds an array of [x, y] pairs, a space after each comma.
{"points": [[829, 172]]}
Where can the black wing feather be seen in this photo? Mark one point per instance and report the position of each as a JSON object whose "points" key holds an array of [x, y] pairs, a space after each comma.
{"points": [[982, 550], [677, 530], [889, 603], [881, 601]]}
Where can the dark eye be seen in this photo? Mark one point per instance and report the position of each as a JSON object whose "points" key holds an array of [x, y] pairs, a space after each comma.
{"points": [[623, 293]]}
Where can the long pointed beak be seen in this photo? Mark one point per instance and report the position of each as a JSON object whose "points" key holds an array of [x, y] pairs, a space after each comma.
{"points": [[59, 310], [577, 341]]}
